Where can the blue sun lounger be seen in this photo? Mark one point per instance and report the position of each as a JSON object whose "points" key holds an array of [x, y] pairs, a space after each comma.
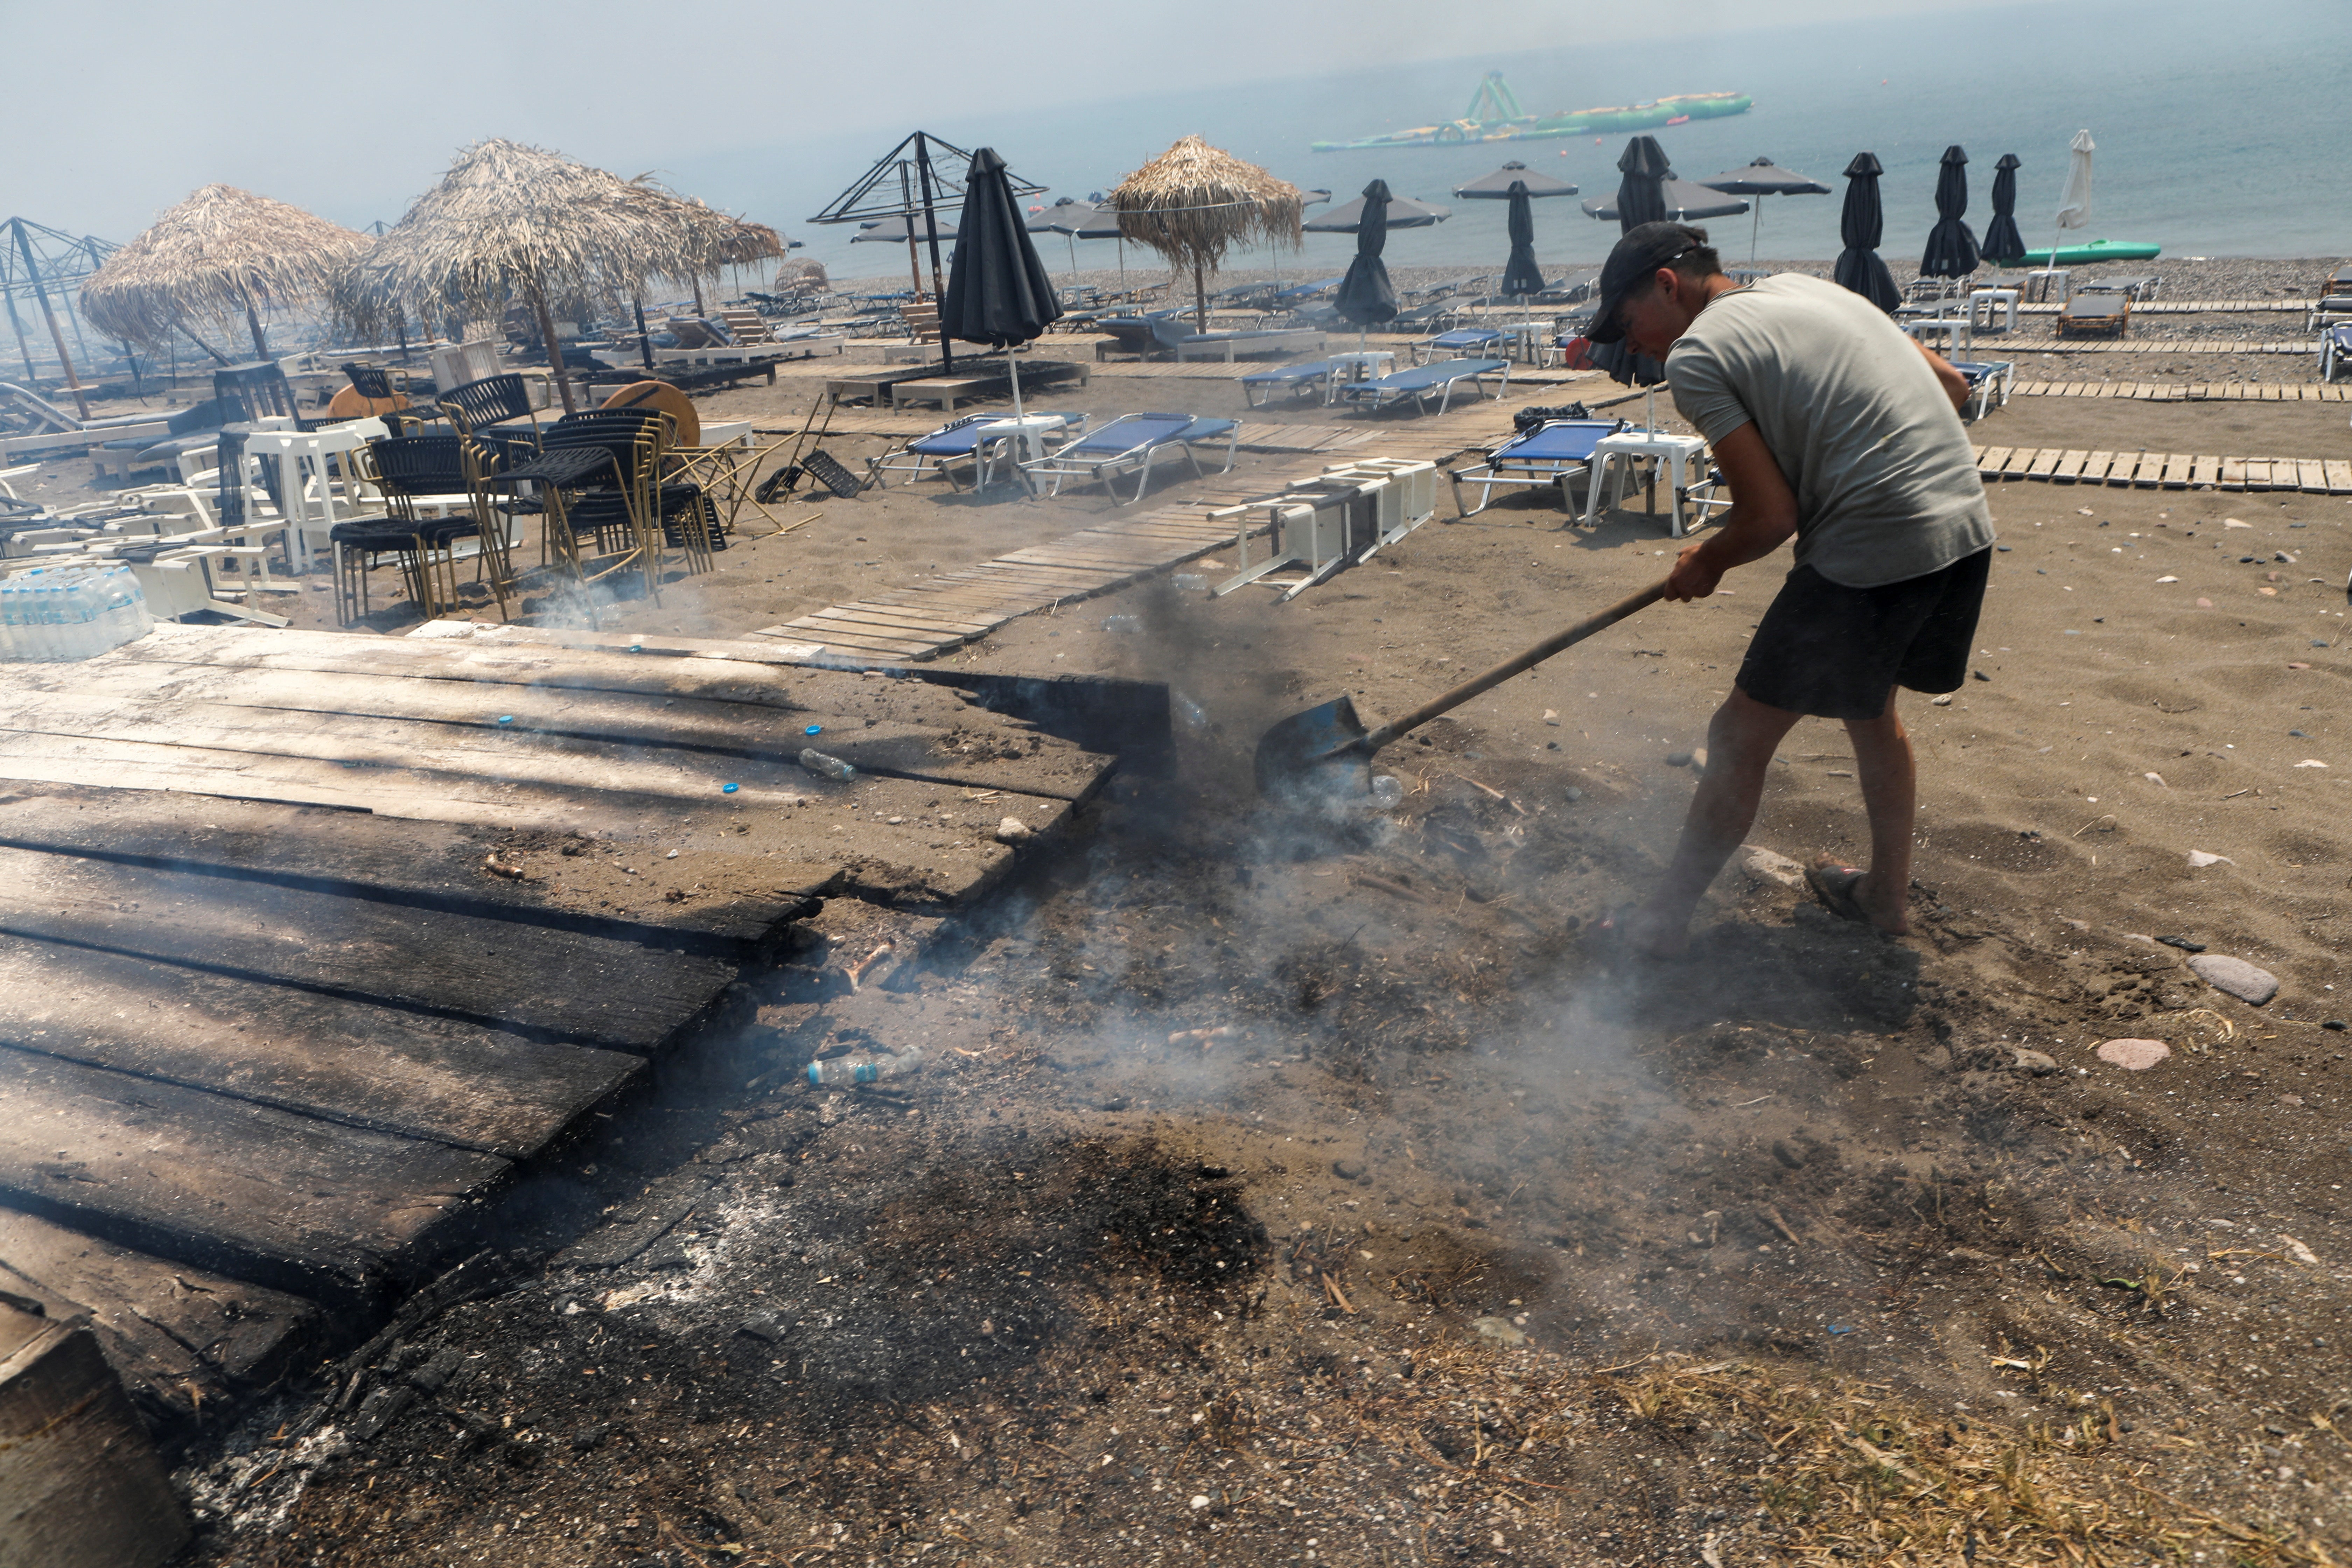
{"points": [[1461, 342], [1553, 453], [1988, 383], [1259, 386], [1420, 383], [1129, 442], [981, 438]]}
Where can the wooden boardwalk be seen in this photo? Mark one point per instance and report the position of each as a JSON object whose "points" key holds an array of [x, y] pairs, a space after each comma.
{"points": [[2165, 470], [2190, 392], [940, 613], [309, 944]]}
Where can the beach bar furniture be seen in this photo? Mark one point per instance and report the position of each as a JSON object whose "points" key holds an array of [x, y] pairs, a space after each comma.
{"points": [[981, 439], [1986, 304], [1460, 344], [1259, 388], [1554, 453], [2094, 315], [1175, 338], [2335, 349], [1341, 516], [1131, 444], [1424, 382]]}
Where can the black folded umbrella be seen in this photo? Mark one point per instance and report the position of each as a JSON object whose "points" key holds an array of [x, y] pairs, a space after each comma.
{"points": [[1365, 294], [1520, 275], [998, 292], [2002, 242], [1641, 198], [1951, 244], [1861, 226]]}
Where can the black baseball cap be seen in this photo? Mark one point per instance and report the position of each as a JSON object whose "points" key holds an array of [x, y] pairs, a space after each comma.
{"points": [[1644, 248]]}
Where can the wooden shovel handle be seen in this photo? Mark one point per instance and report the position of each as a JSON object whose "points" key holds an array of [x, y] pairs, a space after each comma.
{"points": [[1515, 665]]}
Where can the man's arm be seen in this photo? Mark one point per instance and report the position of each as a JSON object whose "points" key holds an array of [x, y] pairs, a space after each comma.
{"points": [[1763, 515], [1956, 385]]}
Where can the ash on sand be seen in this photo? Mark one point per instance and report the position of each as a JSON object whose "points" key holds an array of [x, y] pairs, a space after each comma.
{"points": [[1281, 1193]]}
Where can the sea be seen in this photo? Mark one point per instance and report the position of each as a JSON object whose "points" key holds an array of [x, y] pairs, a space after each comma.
{"points": [[2223, 129]]}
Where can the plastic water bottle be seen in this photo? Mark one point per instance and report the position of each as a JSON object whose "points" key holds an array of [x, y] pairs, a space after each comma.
{"points": [[81, 614], [865, 1066], [826, 767], [49, 619], [126, 608]]}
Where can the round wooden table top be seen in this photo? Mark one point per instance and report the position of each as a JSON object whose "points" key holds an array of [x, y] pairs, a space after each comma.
{"points": [[349, 405], [669, 400]]}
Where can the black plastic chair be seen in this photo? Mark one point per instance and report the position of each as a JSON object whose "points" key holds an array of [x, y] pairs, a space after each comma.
{"points": [[472, 409], [594, 475], [257, 391], [409, 468]]}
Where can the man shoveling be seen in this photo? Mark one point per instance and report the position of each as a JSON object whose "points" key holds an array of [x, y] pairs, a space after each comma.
{"points": [[1831, 425]]}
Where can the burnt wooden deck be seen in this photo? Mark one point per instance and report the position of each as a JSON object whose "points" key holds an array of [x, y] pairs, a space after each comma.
{"points": [[310, 943]]}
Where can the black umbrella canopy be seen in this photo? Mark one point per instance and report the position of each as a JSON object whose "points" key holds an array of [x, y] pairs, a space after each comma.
{"points": [[1497, 186], [1404, 213], [2001, 241], [1860, 225], [998, 292], [1365, 293], [1680, 200], [894, 230], [1763, 177], [1520, 275], [1951, 245]]}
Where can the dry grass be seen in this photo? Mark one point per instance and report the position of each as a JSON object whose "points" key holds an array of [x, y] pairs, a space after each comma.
{"points": [[211, 259], [511, 223], [1195, 202]]}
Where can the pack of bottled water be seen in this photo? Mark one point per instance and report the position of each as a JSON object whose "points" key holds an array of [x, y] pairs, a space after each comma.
{"points": [[59, 613]]}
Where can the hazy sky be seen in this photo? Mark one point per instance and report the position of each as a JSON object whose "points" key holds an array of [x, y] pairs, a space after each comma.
{"points": [[353, 110]]}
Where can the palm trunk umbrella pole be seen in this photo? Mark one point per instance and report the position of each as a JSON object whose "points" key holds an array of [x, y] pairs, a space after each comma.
{"points": [[31, 270], [645, 337], [554, 349]]}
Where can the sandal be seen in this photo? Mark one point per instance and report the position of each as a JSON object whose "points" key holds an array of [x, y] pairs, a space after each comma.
{"points": [[1834, 885]]}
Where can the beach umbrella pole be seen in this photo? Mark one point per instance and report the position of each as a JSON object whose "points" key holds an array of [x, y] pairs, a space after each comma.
{"points": [[645, 337], [23, 349], [33, 271], [554, 349], [253, 325]]}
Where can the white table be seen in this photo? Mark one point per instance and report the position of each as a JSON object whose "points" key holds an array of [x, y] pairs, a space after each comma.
{"points": [[1354, 365], [1958, 331], [291, 450], [1984, 302], [1617, 455]]}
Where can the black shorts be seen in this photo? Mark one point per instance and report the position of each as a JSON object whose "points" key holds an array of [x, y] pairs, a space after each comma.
{"points": [[1838, 653]]}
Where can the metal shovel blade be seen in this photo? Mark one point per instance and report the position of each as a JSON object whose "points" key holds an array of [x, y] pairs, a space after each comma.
{"points": [[1315, 753]]}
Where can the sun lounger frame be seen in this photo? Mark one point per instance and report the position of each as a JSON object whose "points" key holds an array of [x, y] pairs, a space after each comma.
{"points": [[1501, 467], [1417, 383], [1139, 458]]}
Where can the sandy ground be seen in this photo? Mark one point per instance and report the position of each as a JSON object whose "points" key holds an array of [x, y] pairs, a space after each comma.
{"points": [[1468, 1241]]}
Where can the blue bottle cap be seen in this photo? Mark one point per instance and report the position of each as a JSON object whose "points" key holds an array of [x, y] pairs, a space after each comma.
{"points": [[813, 730], [505, 718], [729, 789]]}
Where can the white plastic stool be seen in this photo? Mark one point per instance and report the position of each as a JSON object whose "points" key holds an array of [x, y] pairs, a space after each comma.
{"points": [[1984, 302], [1616, 455]]}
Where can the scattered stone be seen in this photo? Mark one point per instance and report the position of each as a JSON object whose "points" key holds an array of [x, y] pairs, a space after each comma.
{"points": [[1348, 1170], [2233, 522], [2299, 1252], [1943, 701], [1680, 759], [1575, 793], [2033, 1064], [2156, 779], [1793, 1158], [586, 1439], [1552, 716], [1698, 758], [2198, 859], [1013, 830], [2311, 762], [2337, 1025], [1116, 1102], [437, 1368], [764, 1326], [1500, 1330], [2072, 924], [2204, 603], [2236, 976], [2134, 1056], [2182, 943], [1773, 867], [2167, 579]]}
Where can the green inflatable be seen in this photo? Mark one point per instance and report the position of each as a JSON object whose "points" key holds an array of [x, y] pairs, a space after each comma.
{"points": [[2092, 252]]}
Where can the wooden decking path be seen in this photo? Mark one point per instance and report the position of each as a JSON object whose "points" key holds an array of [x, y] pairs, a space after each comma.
{"points": [[1996, 347], [2190, 392], [310, 943], [942, 612], [2165, 470]]}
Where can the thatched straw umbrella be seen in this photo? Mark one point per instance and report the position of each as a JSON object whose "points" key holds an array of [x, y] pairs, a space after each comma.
{"points": [[511, 221], [221, 253], [1193, 202]]}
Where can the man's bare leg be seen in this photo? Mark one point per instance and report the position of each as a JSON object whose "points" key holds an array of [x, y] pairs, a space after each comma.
{"points": [[1890, 792], [1740, 741]]}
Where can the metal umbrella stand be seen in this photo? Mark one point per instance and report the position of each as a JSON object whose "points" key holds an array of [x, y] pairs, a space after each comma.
{"points": [[1365, 293], [998, 292]]}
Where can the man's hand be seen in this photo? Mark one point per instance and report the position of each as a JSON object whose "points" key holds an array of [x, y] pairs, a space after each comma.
{"points": [[1763, 515], [1694, 575]]}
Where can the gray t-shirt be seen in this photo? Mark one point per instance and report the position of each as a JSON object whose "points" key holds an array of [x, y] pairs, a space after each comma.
{"points": [[1886, 484]]}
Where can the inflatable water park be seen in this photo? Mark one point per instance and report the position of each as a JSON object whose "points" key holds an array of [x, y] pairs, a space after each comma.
{"points": [[1495, 115]]}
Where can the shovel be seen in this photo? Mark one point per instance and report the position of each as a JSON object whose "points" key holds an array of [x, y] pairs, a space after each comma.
{"points": [[1326, 751]]}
